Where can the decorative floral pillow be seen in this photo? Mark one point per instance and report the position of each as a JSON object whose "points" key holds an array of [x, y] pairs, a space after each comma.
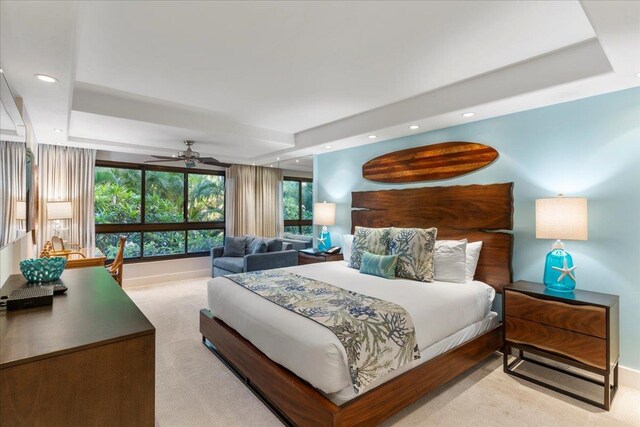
{"points": [[372, 240], [415, 248]]}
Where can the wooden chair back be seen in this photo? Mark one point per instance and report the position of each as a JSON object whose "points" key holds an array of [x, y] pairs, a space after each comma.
{"points": [[115, 268]]}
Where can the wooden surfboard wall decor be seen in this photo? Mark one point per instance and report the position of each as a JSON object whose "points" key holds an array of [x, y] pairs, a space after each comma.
{"points": [[429, 162]]}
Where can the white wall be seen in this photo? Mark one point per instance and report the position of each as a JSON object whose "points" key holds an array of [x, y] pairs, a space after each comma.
{"points": [[11, 254], [149, 273]]}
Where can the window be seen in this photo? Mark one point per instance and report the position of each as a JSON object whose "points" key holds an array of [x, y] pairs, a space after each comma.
{"points": [[164, 212], [297, 194]]}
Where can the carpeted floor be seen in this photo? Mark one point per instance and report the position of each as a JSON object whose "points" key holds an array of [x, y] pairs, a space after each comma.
{"points": [[193, 388]]}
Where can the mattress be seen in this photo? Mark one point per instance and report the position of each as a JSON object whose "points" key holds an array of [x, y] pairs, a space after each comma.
{"points": [[439, 310]]}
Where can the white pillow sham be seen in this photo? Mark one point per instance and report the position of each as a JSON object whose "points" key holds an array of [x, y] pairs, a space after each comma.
{"points": [[347, 243], [450, 261], [472, 255]]}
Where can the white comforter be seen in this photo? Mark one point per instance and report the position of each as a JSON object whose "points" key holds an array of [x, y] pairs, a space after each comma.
{"points": [[312, 351]]}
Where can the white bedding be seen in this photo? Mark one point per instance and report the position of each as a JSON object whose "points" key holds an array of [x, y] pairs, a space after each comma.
{"points": [[311, 351]]}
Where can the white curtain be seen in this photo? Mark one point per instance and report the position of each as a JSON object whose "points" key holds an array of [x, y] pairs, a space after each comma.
{"points": [[12, 190], [67, 174], [254, 201]]}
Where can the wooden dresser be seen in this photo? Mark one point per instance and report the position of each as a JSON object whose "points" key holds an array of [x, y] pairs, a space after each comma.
{"points": [[88, 359], [578, 328]]}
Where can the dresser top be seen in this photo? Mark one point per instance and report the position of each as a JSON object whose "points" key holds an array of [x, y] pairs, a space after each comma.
{"points": [[578, 296], [94, 311]]}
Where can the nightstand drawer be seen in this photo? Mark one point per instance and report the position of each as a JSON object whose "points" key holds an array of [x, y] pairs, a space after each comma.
{"points": [[587, 349], [585, 319]]}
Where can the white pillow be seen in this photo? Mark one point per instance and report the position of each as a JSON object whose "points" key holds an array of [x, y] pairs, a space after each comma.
{"points": [[347, 243], [473, 255], [450, 261]]}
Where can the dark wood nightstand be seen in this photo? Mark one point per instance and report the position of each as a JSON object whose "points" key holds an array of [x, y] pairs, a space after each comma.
{"points": [[308, 257], [579, 329]]}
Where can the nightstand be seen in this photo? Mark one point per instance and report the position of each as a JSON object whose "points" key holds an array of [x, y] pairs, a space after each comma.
{"points": [[578, 328], [308, 257]]}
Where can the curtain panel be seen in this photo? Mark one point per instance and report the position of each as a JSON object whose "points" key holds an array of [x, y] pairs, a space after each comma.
{"points": [[12, 190], [67, 174], [254, 201]]}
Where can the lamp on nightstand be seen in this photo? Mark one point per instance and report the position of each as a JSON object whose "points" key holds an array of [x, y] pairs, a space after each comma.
{"points": [[324, 214], [561, 218]]}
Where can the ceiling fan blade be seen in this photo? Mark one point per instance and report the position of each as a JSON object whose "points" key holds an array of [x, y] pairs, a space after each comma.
{"points": [[212, 162], [165, 160], [166, 157], [209, 159]]}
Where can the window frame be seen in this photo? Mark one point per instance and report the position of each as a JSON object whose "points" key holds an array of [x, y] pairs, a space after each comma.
{"points": [[298, 222], [143, 226]]}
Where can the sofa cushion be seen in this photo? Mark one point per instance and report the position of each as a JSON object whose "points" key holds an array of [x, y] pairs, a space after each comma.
{"points": [[274, 245], [234, 246], [258, 246], [233, 264], [252, 243]]}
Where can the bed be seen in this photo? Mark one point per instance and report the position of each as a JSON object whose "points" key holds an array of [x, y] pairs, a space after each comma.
{"points": [[298, 368]]}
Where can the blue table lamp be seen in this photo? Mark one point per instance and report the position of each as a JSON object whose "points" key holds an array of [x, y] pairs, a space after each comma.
{"points": [[324, 214], [561, 218]]}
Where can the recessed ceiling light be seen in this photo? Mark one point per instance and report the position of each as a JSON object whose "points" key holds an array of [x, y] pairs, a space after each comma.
{"points": [[297, 161], [327, 146], [253, 164], [638, 74], [1, 70], [277, 158], [414, 127], [45, 78], [58, 130], [270, 166], [373, 136], [469, 114]]}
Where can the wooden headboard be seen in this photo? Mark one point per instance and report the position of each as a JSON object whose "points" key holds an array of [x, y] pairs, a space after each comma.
{"points": [[475, 212]]}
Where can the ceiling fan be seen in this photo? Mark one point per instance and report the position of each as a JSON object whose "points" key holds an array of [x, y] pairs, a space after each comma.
{"points": [[189, 157]]}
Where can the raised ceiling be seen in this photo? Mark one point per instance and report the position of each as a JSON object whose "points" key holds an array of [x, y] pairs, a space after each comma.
{"points": [[252, 81]]}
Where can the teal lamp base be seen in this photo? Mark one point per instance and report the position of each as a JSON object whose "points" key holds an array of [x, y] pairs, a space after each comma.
{"points": [[559, 272], [324, 240]]}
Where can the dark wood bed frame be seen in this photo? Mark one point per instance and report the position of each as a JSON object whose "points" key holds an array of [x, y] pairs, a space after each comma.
{"points": [[475, 212]]}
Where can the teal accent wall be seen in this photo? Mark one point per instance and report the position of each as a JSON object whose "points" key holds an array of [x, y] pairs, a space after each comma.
{"points": [[586, 148]]}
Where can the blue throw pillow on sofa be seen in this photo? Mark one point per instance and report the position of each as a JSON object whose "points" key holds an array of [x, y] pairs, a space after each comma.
{"points": [[274, 245], [258, 246], [234, 246]]}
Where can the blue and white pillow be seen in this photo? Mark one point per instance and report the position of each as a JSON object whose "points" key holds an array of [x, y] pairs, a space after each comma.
{"points": [[415, 248], [372, 240]]}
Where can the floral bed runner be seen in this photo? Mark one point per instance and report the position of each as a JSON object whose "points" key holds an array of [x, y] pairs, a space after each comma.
{"points": [[377, 335]]}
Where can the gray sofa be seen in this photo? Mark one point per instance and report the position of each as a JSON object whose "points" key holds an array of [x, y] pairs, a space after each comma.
{"points": [[279, 254], [298, 241]]}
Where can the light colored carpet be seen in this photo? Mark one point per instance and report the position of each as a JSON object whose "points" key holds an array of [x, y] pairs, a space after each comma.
{"points": [[193, 388]]}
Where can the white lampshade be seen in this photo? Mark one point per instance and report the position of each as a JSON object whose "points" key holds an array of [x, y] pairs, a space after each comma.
{"points": [[563, 218], [59, 210], [324, 213], [21, 210]]}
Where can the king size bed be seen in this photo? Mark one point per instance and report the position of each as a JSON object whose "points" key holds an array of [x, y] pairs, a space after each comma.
{"points": [[304, 370]]}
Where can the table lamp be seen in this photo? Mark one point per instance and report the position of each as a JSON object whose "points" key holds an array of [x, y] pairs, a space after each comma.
{"points": [[57, 211], [324, 214], [561, 218]]}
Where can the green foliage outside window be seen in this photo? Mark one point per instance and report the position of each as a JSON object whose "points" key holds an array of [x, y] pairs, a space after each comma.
{"points": [[297, 205], [118, 201], [117, 195], [164, 195], [206, 198]]}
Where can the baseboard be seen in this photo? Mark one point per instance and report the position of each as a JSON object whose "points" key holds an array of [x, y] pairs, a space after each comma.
{"points": [[167, 277], [629, 377]]}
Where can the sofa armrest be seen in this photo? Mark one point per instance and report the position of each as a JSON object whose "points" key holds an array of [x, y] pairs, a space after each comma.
{"points": [[269, 260]]}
